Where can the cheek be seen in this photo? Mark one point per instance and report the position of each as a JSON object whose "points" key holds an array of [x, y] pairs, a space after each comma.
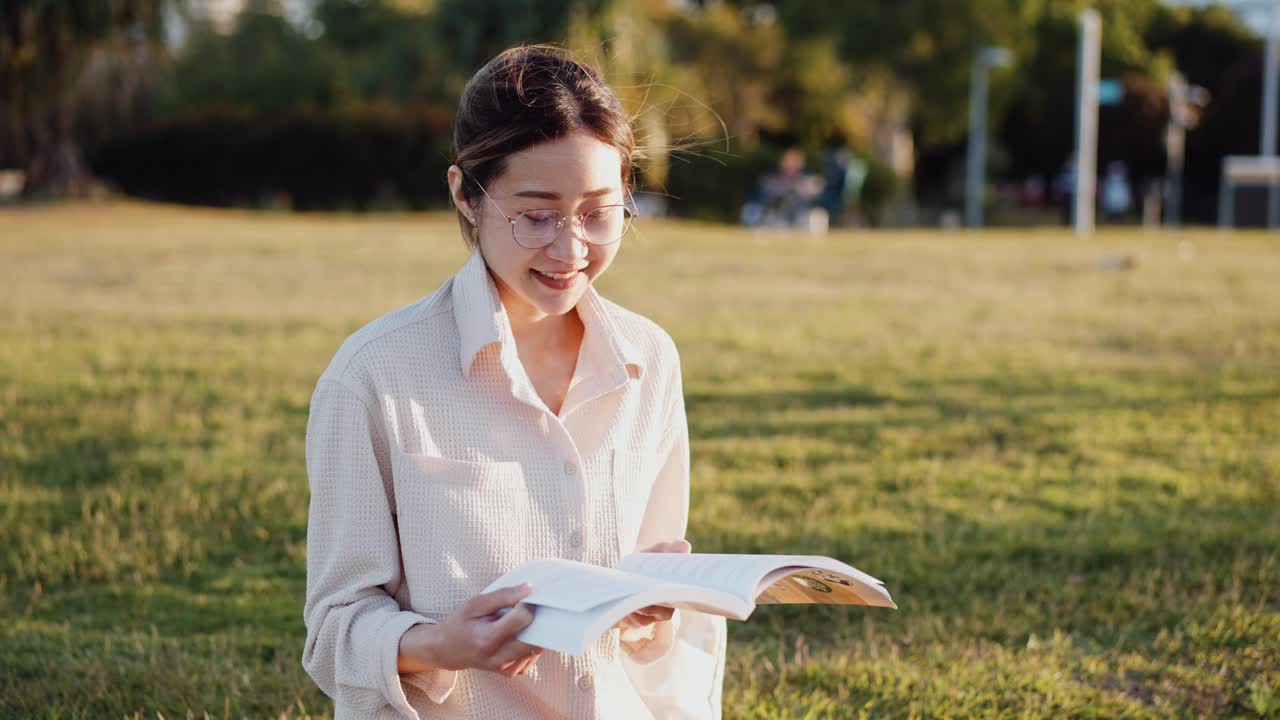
{"points": [[499, 250], [601, 258], [506, 259]]}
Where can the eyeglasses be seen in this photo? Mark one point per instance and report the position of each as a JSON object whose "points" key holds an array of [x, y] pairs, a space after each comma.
{"points": [[534, 229]]}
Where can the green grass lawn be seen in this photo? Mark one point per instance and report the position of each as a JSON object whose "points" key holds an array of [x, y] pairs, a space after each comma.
{"points": [[1069, 477]]}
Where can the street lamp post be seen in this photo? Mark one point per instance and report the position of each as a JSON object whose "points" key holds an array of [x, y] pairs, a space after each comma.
{"points": [[1270, 90], [1087, 65], [976, 165]]}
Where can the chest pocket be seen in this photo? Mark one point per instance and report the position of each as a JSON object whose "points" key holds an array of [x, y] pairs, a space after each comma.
{"points": [[461, 524]]}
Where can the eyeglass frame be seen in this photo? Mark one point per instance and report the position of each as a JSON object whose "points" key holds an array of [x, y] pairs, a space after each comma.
{"points": [[562, 222]]}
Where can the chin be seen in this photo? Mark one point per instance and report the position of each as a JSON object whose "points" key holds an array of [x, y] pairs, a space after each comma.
{"points": [[557, 306], [554, 302]]}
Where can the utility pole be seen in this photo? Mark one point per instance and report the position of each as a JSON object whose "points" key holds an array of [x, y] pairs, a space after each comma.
{"points": [[1087, 68], [1270, 90], [976, 165]]}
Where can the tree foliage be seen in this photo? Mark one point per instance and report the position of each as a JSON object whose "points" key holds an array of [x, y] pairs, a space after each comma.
{"points": [[731, 81], [44, 46]]}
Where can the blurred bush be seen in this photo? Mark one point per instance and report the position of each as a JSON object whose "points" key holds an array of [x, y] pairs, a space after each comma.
{"points": [[709, 184], [356, 157]]}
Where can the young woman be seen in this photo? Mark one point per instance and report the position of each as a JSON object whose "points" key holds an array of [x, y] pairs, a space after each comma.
{"points": [[513, 414]]}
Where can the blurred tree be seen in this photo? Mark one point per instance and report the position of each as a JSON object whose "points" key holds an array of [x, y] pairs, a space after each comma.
{"points": [[927, 46], [1143, 43], [265, 64], [1214, 49], [626, 41], [475, 33], [1039, 125], [817, 88], [1205, 42], [721, 81], [734, 62], [386, 47], [44, 44]]}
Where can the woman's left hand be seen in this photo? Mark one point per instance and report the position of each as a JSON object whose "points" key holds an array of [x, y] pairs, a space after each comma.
{"points": [[640, 624]]}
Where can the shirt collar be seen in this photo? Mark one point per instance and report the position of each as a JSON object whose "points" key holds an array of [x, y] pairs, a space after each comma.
{"points": [[482, 321], [603, 335]]}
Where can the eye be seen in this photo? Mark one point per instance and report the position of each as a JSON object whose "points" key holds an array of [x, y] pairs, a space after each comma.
{"points": [[541, 217], [603, 215]]}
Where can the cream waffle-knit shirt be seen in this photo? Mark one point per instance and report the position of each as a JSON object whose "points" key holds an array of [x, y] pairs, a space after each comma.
{"points": [[435, 467]]}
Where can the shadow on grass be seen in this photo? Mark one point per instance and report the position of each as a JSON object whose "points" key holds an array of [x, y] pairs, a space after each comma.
{"points": [[83, 461], [1109, 580], [266, 601], [1112, 563]]}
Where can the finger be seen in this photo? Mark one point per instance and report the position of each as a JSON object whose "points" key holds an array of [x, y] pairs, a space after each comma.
{"points": [[525, 664], [515, 620], [512, 667], [643, 620], [511, 652], [491, 602], [515, 667], [657, 612], [639, 620], [671, 546]]}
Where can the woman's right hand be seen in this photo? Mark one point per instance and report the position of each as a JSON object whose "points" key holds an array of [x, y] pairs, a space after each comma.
{"points": [[474, 637]]}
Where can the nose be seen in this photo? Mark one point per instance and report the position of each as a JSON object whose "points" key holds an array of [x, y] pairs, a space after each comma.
{"points": [[570, 244]]}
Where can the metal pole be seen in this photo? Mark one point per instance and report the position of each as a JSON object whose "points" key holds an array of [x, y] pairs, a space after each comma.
{"points": [[1271, 67], [1087, 119], [976, 167]]}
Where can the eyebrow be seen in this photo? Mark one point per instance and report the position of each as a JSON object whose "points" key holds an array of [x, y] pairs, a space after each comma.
{"points": [[548, 195]]}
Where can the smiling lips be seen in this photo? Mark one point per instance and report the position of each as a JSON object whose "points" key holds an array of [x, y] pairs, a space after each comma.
{"points": [[557, 281]]}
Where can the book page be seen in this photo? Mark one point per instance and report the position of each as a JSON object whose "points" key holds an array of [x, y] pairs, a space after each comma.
{"points": [[771, 578], [561, 630], [572, 632], [570, 585], [796, 585], [734, 574]]}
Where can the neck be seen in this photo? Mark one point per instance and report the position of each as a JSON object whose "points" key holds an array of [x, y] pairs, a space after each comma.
{"points": [[536, 330]]}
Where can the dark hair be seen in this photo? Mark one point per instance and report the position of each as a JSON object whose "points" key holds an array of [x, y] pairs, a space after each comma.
{"points": [[528, 95]]}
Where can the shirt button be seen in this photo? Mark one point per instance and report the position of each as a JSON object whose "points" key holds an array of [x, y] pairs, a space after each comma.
{"points": [[575, 539], [570, 468], [584, 683]]}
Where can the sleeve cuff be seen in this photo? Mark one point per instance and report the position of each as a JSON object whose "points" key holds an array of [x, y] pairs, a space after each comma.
{"points": [[651, 649], [437, 684]]}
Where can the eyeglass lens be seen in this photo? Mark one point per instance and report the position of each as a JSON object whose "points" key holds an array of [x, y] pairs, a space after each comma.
{"points": [[602, 226]]}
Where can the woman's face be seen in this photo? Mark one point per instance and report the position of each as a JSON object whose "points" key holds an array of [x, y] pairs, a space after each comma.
{"points": [[573, 174]]}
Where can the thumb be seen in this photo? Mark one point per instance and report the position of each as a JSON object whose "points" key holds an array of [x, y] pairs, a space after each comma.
{"points": [[491, 602], [671, 546]]}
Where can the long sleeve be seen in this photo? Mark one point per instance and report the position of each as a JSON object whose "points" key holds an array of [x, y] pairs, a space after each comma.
{"points": [[353, 621]]}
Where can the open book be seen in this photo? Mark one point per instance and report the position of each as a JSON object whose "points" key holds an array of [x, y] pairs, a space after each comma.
{"points": [[574, 603]]}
